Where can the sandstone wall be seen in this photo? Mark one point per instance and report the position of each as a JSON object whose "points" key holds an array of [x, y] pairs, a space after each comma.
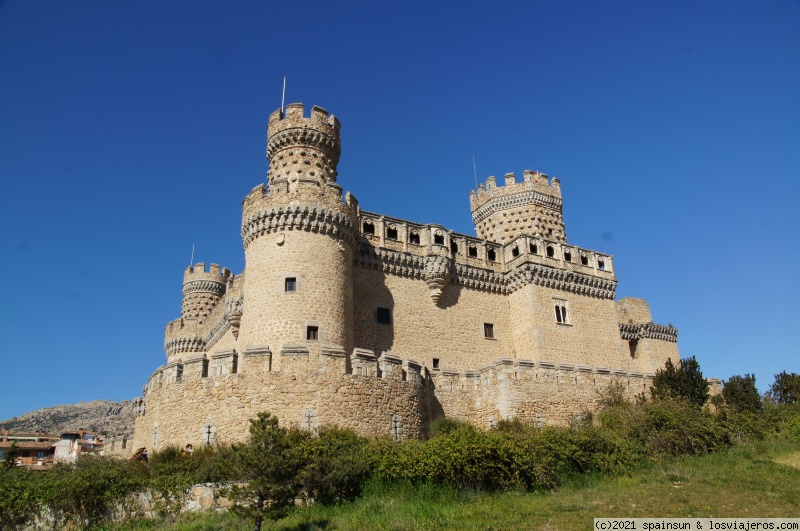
{"points": [[451, 331], [323, 295], [309, 396]]}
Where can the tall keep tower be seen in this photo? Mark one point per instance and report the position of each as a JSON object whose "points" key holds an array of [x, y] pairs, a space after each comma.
{"points": [[532, 207], [298, 237]]}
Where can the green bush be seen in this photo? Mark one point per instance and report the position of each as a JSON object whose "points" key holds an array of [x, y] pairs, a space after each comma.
{"points": [[590, 449], [338, 464], [740, 394], [91, 490], [684, 382], [19, 500], [171, 475], [786, 388], [668, 427], [467, 458], [443, 425], [269, 463]]}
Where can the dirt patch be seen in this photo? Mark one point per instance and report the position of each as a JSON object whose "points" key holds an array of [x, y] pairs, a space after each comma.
{"points": [[792, 459]]}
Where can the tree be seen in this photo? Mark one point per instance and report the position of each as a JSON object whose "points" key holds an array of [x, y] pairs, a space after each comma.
{"points": [[10, 455], [684, 382], [786, 388], [740, 393], [269, 464]]}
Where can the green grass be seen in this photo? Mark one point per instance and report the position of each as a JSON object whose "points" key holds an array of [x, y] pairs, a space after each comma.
{"points": [[758, 480]]}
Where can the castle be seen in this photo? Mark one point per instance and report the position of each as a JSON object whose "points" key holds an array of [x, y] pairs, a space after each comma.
{"points": [[348, 317]]}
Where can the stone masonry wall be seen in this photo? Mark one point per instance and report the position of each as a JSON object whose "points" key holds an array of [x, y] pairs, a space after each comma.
{"points": [[316, 392], [451, 331]]}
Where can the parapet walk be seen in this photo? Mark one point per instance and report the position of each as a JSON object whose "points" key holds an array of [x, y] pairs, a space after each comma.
{"points": [[300, 359]]}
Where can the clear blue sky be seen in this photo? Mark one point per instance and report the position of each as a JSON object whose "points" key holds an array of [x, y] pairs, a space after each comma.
{"points": [[130, 131]]}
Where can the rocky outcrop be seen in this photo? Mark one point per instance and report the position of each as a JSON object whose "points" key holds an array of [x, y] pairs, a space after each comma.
{"points": [[99, 416]]}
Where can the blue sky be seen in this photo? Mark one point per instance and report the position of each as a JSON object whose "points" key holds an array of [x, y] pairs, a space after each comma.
{"points": [[130, 131]]}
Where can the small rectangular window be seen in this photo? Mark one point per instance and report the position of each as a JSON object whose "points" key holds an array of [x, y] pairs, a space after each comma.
{"points": [[473, 251], [291, 284], [391, 233], [384, 316], [488, 330], [414, 238], [312, 333], [435, 363]]}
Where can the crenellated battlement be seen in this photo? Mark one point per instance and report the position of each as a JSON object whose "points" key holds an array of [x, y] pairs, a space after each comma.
{"points": [[198, 273], [293, 116], [531, 207], [531, 180], [301, 148], [194, 365]]}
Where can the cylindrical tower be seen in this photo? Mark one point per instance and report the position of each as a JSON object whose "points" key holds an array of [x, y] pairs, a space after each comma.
{"points": [[298, 237], [202, 290]]}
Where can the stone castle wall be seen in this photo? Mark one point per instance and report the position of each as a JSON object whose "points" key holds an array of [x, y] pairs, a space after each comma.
{"points": [[374, 396], [315, 391]]}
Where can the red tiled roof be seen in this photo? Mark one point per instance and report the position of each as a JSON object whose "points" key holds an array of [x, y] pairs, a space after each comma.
{"points": [[26, 445]]}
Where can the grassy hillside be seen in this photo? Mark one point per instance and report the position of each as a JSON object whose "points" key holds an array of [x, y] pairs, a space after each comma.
{"points": [[757, 480]]}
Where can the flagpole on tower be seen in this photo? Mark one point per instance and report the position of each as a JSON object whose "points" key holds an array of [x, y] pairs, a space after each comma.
{"points": [[283, 95], [475, 172]]}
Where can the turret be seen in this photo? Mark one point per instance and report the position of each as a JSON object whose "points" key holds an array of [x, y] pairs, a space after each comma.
{"points": [[203, 289], [302, 150], [298, 237], [531, 207]]}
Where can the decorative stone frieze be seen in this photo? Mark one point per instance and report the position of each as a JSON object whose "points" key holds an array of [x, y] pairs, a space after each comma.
{"points": [[181, 345], [648, 331], [560, 279], [311, 218], [506, 202], [205, 286]]}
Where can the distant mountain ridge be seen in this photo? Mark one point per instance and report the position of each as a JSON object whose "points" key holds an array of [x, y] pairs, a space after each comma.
{"points": [[99, 416]]}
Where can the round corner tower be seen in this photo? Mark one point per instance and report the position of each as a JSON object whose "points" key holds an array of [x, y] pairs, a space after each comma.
{"points": [[298, 237]]}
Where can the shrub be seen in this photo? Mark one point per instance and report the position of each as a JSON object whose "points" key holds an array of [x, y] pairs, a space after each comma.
{"points": [[171, 475], [443, 425], [740, 394], [684, 382], [91, 490], [338, 463], [786, 388], [269, 465], [19, 503]]}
